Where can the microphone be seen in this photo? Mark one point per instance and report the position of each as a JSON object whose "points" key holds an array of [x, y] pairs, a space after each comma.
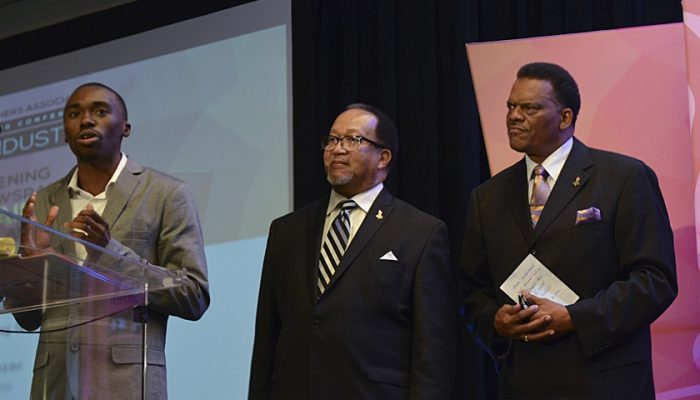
{"points": [[7, 247]]}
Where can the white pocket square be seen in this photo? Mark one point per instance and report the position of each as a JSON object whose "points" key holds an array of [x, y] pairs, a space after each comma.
{"points": [[389, 256]]}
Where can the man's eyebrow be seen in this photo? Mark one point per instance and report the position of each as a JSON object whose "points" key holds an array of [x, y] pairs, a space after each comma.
{"points": [[351, 130], [526, 102], [100, 104], [91, 105]]}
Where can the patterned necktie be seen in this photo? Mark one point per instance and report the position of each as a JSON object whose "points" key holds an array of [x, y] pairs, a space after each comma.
{"points": [[334, 244], [540, 193]]}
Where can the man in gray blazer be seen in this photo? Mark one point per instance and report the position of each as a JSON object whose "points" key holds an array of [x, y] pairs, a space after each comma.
{"points": [[137, 212], [603, 230]]}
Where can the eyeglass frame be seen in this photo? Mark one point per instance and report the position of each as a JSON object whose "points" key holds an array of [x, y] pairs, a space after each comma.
{"points": [[344, 139]]}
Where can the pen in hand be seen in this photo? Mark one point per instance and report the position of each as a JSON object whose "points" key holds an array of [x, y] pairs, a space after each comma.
{"points": [[523, 301]]}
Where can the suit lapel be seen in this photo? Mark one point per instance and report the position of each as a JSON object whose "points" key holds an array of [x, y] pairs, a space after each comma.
{"points": [[122, 190], [314, 230], [61, 198], [572, 179], [516, 194], [367, 230]]}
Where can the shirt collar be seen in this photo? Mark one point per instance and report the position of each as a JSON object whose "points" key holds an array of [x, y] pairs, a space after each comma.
{"points": [[73, 184], [364, 200], [554, 163]]}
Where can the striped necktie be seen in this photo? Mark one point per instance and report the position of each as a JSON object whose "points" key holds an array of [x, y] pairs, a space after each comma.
{"points": [[540, 193], [334, 244]]}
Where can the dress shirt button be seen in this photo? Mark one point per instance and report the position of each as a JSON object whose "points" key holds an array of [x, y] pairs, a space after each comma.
{"points": [[74, 347], [315, 324], [533, 252]]}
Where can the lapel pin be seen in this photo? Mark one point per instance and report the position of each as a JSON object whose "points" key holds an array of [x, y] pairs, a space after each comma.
{"points": [[379, 215], [577, 181]]}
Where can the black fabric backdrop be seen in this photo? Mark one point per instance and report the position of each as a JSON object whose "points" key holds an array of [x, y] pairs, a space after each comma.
{"points": [[408, 58]]}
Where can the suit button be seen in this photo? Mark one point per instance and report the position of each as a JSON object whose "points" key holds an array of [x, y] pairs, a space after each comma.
{"points": [[74, 347], [533, 252], [316, 324]]}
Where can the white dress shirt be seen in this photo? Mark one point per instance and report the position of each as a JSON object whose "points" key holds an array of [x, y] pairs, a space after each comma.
{"points": [[364, 201], [79, 199], [552, 164]]}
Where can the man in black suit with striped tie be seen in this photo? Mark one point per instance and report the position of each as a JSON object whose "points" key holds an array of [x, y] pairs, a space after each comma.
{"points": [[356, 298]]}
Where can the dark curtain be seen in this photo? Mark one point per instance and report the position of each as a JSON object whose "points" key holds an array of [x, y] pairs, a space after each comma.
{"points": [[407, 57]]}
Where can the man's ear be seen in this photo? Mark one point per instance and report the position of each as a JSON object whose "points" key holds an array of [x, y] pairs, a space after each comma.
{"points": [[567, 118], [127, 129], [385, 159]]}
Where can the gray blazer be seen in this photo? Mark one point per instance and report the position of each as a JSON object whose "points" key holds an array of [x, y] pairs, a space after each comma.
{"points": [[152, 218]]}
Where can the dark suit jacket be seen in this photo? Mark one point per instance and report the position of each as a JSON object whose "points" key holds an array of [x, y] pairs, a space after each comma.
{"points": [[382, 330], [622, 267], [152, 218]]}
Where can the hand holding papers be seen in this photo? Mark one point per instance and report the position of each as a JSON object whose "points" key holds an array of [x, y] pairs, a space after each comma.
{"points": [[535, 277]]}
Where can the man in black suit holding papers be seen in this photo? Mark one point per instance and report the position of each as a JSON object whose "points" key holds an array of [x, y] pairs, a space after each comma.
{"points": [[596, 221]]}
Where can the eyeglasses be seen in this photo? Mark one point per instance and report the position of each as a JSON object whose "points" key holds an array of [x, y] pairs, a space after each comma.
{"points": [[349, 143]]}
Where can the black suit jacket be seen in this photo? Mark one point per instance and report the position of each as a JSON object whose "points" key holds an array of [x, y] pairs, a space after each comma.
{"points": [[381, 330], [622, 267]]}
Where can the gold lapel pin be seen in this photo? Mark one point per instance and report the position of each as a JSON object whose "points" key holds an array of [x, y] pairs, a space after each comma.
{"points": [[379, 214], [577, 181]]}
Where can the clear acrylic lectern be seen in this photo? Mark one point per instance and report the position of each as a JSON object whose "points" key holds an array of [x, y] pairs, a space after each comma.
{"points": [[91, 313]]}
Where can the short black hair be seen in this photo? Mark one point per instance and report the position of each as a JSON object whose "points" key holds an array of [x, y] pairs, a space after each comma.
{"points": [[563, 84], [103, 86], [385, 130]]}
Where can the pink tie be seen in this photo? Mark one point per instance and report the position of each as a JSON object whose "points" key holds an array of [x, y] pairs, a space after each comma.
{"points": [[540, 193]]}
